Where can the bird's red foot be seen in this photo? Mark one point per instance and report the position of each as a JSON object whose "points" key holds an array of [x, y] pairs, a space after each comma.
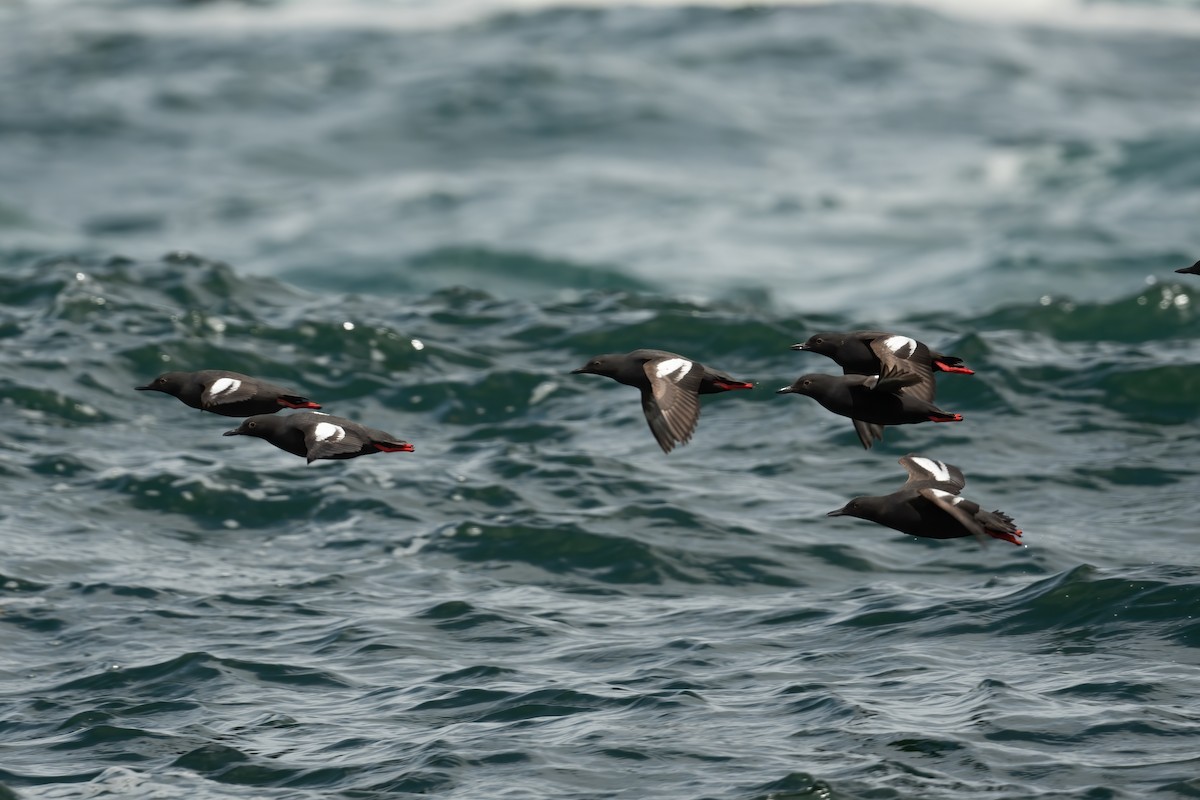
{"points": [[942, 366]]}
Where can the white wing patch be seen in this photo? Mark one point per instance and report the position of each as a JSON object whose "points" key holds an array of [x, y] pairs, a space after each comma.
{"points": [[327, 431], [901, 345], [935, 468], [673, 368], [953, 499], [224, 386]]}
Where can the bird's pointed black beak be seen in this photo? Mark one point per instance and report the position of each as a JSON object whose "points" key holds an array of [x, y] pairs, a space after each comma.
{"points": [[145, 388], [801, 346], [234, 432], [580, 371], [784, 390], [837, 512]]}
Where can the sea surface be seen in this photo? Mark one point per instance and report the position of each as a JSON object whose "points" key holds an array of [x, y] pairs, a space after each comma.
{"points": [[423, 216]]}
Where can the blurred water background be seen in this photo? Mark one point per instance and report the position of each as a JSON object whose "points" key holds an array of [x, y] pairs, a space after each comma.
{"points": [[423, 215]]}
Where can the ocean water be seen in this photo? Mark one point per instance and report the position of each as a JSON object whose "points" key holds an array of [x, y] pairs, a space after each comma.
{"points": [[424, 216]]}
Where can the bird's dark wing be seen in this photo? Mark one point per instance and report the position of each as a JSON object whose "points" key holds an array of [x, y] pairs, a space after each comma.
{"points": [[672, 406], [224, 390], [956, 507], [868, 433], [904, 365], [927, 473], [324, 439]]}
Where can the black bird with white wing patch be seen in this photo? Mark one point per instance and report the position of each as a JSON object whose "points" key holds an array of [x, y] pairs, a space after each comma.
{"points": [[877, 400], [670, 385], [230, 394], [864, 352], [928, 505], [314, 435]]}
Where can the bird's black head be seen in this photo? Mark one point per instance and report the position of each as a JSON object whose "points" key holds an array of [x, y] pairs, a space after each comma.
{"points": [[805, 384], [260, 425], [608, 364], [169, 382], [846, 510], [861, 507], [824, 343]]}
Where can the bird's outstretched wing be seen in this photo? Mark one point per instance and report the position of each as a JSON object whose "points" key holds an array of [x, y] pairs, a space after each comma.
{"points": [[961, 509], [929, 473], [868, 432], [672, 406]]}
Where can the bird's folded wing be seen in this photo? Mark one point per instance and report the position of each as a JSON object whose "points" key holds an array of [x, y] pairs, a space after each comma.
{"points": [[329, 439], [226, 390]]}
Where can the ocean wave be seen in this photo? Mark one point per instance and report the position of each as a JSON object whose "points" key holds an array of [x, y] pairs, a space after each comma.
{"points": [[537, 572]]}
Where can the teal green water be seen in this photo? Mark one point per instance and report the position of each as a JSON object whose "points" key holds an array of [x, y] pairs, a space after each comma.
{"points": [[537, 602], [426, 230]]}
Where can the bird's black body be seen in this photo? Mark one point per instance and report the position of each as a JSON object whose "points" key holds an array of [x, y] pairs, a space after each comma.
{"points": [[314, 436], [868, 399], [230, 394], [670, 385], [928, 505]]}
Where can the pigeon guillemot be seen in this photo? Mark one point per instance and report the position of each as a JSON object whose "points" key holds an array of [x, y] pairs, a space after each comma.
{"points": [[1194, 269], [315, 435], [873, 399], [670, 386], [928, 505], [230, 394], [862, 352]]}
